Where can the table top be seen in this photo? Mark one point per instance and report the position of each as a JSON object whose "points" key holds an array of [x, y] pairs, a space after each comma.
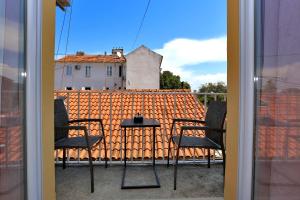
{"points": [[127, 123]]}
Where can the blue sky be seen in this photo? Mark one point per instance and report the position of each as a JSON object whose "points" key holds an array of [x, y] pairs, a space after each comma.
{"points": [[190, 34]]}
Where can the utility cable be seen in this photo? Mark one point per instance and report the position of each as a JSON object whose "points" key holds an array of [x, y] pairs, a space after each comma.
{"points": [[61, 32], [67, 41], [141, 24]]}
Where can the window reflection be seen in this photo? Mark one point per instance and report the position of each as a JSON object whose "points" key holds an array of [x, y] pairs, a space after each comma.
{"points": [[277, 137], [11, 99]]}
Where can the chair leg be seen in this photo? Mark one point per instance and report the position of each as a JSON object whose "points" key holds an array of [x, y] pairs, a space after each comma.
{"points": [[169, 146], [224, 161], [105, 153], [208, 159], [175, 168], [64, 158], [91, 170]]}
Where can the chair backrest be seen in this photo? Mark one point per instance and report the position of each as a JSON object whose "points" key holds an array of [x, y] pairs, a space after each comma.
{"points": [[215, 118], [60, 119]]}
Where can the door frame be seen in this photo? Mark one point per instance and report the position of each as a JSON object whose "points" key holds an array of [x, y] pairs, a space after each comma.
{"points": [[33, 99], [247, 81]]}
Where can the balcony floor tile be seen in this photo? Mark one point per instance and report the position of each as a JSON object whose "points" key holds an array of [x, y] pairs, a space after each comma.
{"points": [[194, 182]]}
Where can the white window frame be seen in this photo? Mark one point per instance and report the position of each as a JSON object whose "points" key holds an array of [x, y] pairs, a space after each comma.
{"points": [[246, 122], [88, 70], [33, 99], [109, 71], [69, 70]]}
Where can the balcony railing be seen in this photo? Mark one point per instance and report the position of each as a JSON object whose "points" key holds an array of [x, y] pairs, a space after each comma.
{"points": [[114, 106]]}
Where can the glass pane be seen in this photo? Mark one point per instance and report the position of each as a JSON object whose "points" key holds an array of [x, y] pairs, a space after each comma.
{"points": [[277, 129], [12, 99]]}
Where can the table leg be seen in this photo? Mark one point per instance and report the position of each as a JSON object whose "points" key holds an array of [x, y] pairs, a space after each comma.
{"points": [[125, 158], [153, 148]]}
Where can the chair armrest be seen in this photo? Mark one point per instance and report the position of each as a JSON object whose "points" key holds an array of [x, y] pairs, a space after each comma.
{"points": [[85, 120], [183, 120], [90, 120], [188, 120], [83, 128], [205, 128]]}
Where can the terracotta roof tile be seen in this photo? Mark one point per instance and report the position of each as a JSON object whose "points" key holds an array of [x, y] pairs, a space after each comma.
{"points": [[92, 59], [151, 103]]}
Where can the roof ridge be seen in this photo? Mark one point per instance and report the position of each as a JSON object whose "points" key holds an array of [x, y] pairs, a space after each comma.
{"points": [[132, 90]]}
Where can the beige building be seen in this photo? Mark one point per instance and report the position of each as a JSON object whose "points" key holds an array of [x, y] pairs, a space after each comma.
{"points": [[143, 69]]}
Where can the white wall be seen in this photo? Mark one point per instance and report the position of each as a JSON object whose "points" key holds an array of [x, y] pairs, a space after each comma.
{"points": [[78, 79], [143, 69]]}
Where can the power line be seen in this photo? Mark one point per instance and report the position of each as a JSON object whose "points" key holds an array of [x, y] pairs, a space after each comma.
{"points": [[141, 24], [67, 40], [61, 31]]}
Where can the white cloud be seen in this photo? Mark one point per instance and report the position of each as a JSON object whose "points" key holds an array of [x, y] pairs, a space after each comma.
{"points": [[182, 52], [197, 81]]}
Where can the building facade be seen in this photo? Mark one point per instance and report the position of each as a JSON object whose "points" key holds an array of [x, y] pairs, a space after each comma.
{"points": [[88, 72], [112, 72], [143, 69]]}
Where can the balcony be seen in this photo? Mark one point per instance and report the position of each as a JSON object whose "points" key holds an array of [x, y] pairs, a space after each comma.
{"points": [[114, 106], [194, 178], [194, 182]]}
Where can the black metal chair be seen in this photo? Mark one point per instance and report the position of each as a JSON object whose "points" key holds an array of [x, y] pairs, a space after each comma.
{"points": [[213, 139], [63, 141]]}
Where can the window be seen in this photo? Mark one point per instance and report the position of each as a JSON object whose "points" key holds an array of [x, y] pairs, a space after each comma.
{"points": [[69, 88], [276, 100], [109, 71], [13, 107], [120, 70], [69, 71], [88, 71]]}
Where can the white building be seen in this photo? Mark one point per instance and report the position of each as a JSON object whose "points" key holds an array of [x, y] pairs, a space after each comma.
{"points": [[143, 69], [140, 69], [82, 71]]}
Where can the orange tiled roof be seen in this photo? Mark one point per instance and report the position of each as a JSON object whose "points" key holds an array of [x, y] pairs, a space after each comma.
{"points": [[92, 59], [158, 104]]}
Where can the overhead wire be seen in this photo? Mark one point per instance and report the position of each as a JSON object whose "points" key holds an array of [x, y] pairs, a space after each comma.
{"points": [[67, 41], [141, 24], [61, 32]]}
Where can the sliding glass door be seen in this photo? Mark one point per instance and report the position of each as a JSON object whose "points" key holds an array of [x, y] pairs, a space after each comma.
{"points": [[277, 100], [12, 101]]}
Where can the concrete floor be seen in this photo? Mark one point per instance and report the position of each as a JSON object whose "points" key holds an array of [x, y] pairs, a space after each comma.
{"points": [[194, 182]]}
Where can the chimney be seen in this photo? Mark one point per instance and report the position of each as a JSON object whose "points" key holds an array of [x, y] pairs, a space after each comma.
{"points": [[114, 51], [79, 53]]}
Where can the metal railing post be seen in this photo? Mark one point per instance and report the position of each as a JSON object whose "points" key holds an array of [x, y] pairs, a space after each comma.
{"points": [[68, 110], [174, 131], [121, 136], [195, 116], [78, 117], [153, 116], [185, 115], [143, 130], [132, 131], [99, 111], [110, 127], [89, 111]]}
